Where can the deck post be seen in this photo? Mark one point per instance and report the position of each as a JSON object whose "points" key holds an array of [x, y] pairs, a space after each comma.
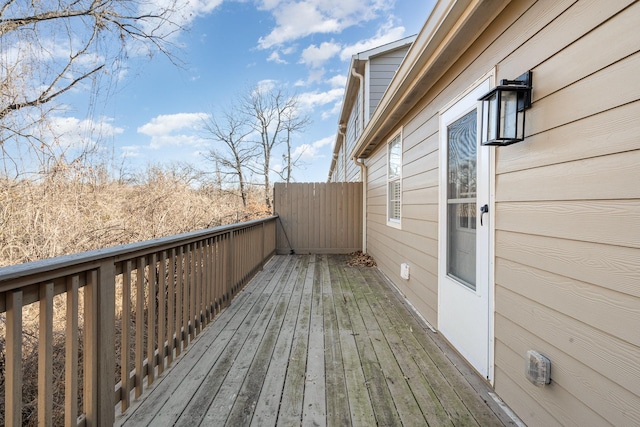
{"points": [[99, 345], [13, 372]]}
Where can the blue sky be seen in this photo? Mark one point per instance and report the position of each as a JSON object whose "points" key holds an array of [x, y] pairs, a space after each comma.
{"points": [[154, 110]]}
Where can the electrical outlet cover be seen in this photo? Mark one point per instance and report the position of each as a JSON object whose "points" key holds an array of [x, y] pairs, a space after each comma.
{"points": [[404, 271]]}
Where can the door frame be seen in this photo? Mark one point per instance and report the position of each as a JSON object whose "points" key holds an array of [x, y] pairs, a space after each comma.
{"points": [[442, 230]]}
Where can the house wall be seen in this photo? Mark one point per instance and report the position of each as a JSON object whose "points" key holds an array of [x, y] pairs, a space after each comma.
{"points": [[567, 208], [380, 70]]}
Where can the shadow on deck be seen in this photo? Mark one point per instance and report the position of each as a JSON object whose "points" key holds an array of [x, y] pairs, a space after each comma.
{"points": [[312, 341]]}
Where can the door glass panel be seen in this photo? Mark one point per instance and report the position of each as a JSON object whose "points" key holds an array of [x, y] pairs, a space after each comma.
{"points": [[461, 200]]}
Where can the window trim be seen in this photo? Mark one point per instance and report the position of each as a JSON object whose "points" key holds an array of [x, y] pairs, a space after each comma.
{"points": [[393, 222]]}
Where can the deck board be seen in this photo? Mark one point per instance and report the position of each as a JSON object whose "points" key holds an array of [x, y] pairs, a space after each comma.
{"points": [[311, 341]]}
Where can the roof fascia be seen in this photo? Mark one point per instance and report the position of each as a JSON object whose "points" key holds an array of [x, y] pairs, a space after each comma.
{"points": [[389, 47]]}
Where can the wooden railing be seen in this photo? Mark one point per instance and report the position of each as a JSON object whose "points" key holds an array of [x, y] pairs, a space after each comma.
{"points": [[152, 298]]}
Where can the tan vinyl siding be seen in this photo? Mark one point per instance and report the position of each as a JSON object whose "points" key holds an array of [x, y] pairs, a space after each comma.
{"points": [[567, 208], [353, 171], [568, 222], [417, 243]]}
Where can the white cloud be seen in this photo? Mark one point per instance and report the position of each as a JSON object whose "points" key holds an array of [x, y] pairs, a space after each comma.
{"points": [[266, 85], [386, 34], [130, 151], [333, 112], [338, 81], [166, 124], [182, 13], [316, 76], [316, 56], [289, 50], [178, 130], [181, 140], [275, 57], [298, 19], [310, 100], [77, 133], [312, 151]]}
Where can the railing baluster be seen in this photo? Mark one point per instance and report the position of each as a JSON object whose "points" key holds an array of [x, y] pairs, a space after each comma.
{"points": [[202, 315], [192, 290], [13, 360], [71, 353], [185, 297], [210, 278], [151, 318], [198, 288], [193, 314], [221, 267], [231, 273], [139, 357], [125, 337], [106, 319], [219, 273], [171, 327], [90, 356], [45, 356], [162, 287], [206, 281], [179, 309]]}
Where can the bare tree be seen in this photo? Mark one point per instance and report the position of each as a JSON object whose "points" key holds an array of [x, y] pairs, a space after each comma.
{"points": [[274, 117], [48, 48], [237, 152], [293, 122]]}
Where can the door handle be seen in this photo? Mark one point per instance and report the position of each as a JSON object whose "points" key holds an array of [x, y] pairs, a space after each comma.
{"points": [[483, 210]]}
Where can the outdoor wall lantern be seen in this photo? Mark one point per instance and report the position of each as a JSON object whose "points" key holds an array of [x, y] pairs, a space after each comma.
{"points": [[503, 111]]}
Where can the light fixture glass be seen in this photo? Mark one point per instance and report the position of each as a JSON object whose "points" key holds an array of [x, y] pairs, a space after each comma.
{"points": [[502, 120]]}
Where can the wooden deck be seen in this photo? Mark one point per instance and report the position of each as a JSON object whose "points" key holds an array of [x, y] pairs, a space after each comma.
{"points": [[311, 341]]}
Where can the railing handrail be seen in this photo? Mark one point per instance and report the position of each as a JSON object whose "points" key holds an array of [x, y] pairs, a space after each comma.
{"points": [[33, 268]]}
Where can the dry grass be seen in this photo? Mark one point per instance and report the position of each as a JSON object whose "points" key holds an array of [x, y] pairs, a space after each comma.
{"points": [[64, 214], [74, 210]]}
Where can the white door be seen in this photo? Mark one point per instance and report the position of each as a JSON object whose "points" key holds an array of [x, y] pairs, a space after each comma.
{"points": [[464, 291]]}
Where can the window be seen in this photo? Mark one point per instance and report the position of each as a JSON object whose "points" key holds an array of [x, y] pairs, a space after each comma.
{"points": [[394, 177], [462, 169]]}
